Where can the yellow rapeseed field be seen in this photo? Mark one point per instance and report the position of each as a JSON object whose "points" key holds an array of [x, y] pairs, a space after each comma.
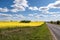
{"points": [[17, 24]]}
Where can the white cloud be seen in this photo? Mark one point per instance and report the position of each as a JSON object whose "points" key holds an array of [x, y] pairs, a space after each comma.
{"points": [[16, 10], [5, 15], [14, 17], [37, 16], [54, 5], [4, 9], [20, 16], [19, 5], [43, 9], [33, 8], [30, 15]]}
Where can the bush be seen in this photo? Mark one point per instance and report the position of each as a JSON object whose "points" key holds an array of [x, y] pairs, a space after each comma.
{"points": [[25, 21]]}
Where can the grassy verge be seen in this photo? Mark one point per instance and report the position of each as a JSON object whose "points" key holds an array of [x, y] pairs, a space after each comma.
{"points": [[27, 33]]}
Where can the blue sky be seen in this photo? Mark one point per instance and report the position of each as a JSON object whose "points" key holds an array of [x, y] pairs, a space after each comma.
{"points": [[35, 10]]}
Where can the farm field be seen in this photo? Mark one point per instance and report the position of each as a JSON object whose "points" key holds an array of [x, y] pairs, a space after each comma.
{"points": [[35, 31], [19, 24]]}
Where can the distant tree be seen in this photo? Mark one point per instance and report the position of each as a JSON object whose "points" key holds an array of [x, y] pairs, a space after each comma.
{"points": [[25, 21], [10, 20], [51, 21], [58, 22]]}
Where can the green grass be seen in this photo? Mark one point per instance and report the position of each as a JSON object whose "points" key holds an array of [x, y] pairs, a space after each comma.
{"points": [[28, 33]]}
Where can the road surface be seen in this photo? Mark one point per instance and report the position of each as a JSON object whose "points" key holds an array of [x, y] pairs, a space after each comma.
{"points": [[55, 30]]}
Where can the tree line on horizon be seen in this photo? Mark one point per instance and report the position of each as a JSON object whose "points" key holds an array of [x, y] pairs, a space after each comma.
{"points": [[55, 22]]}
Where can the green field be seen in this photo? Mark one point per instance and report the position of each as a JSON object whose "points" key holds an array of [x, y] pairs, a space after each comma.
{"points": [[26, 33]]}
